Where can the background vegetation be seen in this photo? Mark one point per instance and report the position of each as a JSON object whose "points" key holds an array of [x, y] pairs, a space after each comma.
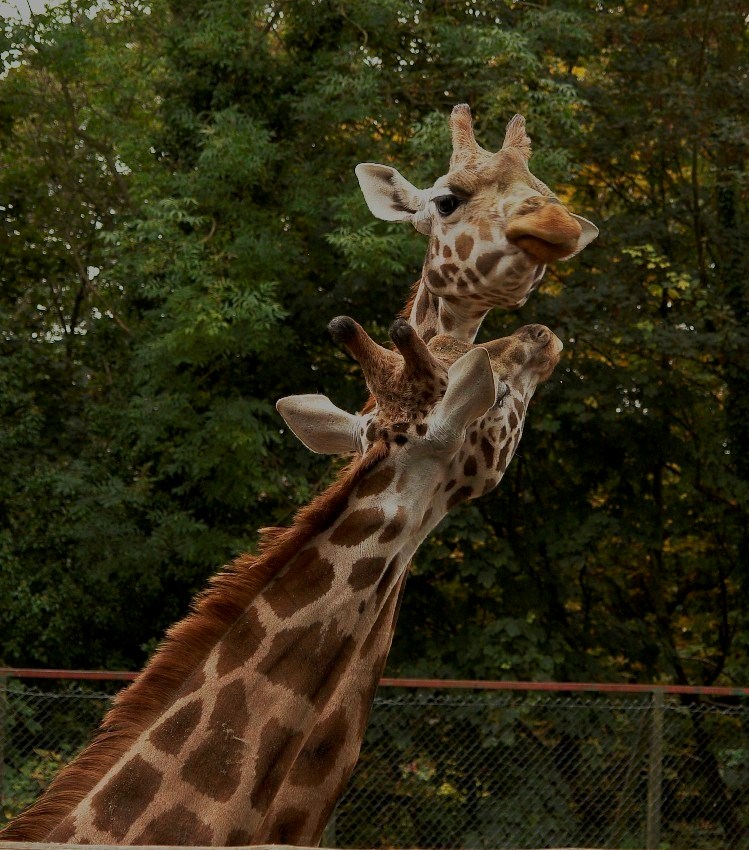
{"points": [[180, 219]]}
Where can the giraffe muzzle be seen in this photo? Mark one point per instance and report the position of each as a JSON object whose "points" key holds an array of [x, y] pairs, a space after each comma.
{"points": [[546, 230]]}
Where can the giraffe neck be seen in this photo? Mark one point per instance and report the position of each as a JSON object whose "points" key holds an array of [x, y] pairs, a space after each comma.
{"points": [[330, 787], [252, 714], [432, 315], [465, 275]]}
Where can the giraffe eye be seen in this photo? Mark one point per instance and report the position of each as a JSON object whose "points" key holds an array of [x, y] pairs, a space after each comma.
{"points": [[446, 204]]}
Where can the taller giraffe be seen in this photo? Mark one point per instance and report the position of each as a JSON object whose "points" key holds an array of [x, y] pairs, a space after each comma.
{"points": [[233, 707], [492, 226]]}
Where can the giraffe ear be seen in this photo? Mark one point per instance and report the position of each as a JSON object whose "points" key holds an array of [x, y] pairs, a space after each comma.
{"points": [[470, 392], [391, 197], [590, 231], [319, 424]]}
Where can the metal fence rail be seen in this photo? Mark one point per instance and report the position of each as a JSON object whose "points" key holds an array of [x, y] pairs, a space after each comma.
{"points": [[481, 768]]}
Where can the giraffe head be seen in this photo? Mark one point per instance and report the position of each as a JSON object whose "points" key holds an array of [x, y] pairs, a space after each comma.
{"points": [[458, 405], [492, 225]]}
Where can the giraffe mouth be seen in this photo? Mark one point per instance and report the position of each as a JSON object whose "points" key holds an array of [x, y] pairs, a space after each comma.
{"points": [[542, 250], [547, 234]]}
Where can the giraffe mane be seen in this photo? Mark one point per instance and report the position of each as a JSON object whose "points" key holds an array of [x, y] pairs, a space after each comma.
{"points": [[185, 646]]}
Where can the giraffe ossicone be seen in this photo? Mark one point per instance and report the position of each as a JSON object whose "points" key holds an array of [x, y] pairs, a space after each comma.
{"points": [[492, 226]]}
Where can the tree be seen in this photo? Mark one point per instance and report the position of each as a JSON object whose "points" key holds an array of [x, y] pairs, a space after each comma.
{"points": [[176, 243]]}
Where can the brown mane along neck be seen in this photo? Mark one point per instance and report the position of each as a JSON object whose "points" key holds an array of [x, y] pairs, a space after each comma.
{"points": [[185, 646]]}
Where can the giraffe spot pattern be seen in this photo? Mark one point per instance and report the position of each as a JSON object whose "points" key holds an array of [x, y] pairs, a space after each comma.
{"points": [[422, 306], [460, 495], [377, 481], [491, 483], [513, 420], [307, 660], [464, 245], [374, 638], [394, 527], [365, 572], [194, 683], [176, 826], [288, 827], [357, 526], [125, 797], [307, 579], [238, 838], [278, 748], [435, 279], [241, 642], [503, 458], [487, 450], [318, 756], [214, 767], [386, 581], [486, 262], [171, 735], [470, 467]]}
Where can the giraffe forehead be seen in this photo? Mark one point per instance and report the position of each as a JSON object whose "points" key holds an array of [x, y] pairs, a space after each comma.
{"points": [[500, 172]]}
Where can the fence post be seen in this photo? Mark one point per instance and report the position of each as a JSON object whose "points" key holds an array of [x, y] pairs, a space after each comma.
{"points": [[3, 726], [655, 773]]}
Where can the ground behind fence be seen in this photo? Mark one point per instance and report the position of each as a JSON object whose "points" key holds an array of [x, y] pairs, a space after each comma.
{"points": [[478, 765]]}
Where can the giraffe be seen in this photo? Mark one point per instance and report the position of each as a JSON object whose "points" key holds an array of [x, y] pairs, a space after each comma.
{"points": [[492, 226], [232, 707]]}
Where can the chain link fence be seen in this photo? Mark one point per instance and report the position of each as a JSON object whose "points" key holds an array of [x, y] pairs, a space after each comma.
{"points": [[475, 769]]}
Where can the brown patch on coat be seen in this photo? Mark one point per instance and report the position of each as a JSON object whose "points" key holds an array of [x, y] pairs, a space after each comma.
{"points": [[214, 767], [375, 483], [242, 641], [357, 526], [125, 797], [464, 246], [171, 735], [365, 572], [307, 579], [176, 826], [394, 527], [309, 660], [287, 828], [319, 754], [279, 747]]}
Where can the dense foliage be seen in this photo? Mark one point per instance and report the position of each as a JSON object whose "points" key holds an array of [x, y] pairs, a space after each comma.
{"points": [[180, 219]]}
